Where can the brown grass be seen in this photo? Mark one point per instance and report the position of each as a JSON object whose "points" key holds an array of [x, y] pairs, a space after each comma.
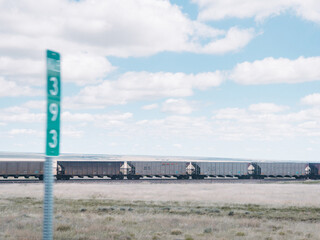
{"points": [[157, 211], [108, 219]]}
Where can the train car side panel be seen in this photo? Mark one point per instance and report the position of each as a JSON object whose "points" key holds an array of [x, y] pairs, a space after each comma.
{"points": [[147, 168], [89, 169], [223, 169], [285, 169]]}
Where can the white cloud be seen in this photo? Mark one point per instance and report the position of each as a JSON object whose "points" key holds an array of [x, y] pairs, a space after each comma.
{"points": [[98, 118], [150, 106], [77, 117], [23, 70], [71, 132], [234, 40], [119, 28], [85, 32], [12, 89], [177, 106], [84, 68], [22, 117], [24, 131], [258, 122], [15, 110], [230, 113], [20, 114], [74, 123], [221, 9], [312, 99], [281, 70], [235, 124], [174, 126], [35, 104], [265, 122], [79, 68], [266, 108], [143, 85], [68, 132], [177, 145]]}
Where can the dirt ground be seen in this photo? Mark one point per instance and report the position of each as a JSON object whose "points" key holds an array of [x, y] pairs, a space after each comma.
{"points": [[275, 194]]}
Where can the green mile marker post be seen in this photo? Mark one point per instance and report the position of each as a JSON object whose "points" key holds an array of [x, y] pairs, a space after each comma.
{"points": [[52, 138]]}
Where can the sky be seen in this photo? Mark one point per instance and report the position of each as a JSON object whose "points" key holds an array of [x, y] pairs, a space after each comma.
{"points": [[211, 78]]}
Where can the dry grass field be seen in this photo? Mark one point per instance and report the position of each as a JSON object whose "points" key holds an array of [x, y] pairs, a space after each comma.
{"points": [[164, 211]]}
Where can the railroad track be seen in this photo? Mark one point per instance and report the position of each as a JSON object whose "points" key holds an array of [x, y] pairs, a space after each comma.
{"points": [[155, 181]]}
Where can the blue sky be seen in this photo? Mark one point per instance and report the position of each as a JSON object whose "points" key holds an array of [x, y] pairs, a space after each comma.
{"points": [[210, 78]]}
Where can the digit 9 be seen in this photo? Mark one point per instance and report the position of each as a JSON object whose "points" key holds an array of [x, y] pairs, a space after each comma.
{"points": [[54, 110]]}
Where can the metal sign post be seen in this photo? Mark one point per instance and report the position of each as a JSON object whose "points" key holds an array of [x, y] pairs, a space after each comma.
{"points": [[52, 138]]}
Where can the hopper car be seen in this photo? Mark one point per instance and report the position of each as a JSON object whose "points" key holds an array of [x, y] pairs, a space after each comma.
{"points": [[24, 169], [221, 169], [70, 169], [138, 169], [283, 169]]}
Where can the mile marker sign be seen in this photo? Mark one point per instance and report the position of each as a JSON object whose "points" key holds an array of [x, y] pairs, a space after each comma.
{"points": [[53, 103], [53, 138]]}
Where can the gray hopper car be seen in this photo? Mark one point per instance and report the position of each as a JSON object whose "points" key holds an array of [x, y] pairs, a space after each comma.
{"points": [[69, 169], [279, 169], [158, 169], [222, 169], [21, 169]]}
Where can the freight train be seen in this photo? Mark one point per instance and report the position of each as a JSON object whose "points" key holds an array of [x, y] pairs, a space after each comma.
{"points": [[120, 167]]}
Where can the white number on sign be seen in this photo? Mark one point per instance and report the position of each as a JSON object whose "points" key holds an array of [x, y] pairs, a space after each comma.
{"points": [[53, 108], [55, 89], [54, 138]]}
